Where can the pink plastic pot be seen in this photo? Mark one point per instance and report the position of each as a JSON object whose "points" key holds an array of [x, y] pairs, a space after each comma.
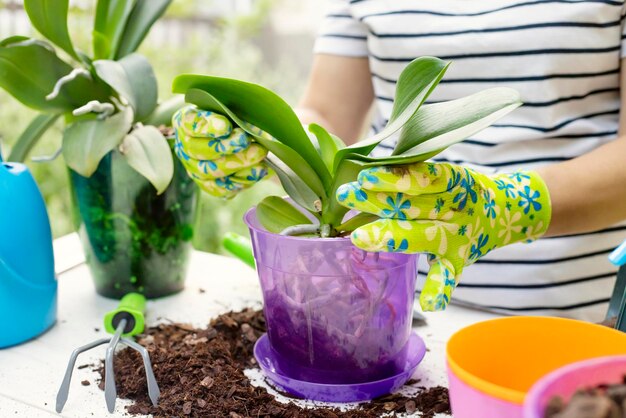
{"points": [[493, 364], [567, 380], [335, 314]]}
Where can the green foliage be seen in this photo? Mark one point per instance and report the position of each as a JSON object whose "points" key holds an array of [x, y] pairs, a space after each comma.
{"points": [[95, 95], [50, 19], [276, 214], [312, 176], [211, 54]]}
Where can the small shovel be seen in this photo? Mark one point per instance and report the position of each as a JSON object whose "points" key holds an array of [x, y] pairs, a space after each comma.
{"points": [[125, 321]]}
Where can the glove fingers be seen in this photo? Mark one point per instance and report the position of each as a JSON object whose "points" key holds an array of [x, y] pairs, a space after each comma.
{"points": [[200, 123], [399, 206], [440, 282], [201, 148], [227, 165], [392, 235], [416, 179], [251, 175]]}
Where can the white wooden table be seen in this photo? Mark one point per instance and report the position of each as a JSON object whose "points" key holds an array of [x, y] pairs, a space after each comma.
{"points": [[31, 373]]}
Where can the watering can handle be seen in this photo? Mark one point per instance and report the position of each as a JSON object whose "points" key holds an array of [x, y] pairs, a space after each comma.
{"points": [[131, 308], [240, 247], [618, 257]]}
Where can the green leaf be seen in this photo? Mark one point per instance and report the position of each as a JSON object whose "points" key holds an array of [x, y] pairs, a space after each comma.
{"points": [[133, 78], [147, 151], [110, 21], [347, 171], [289, 156], [357, 221], [86, 143], [143, 16], [328, 144], [31, 135], [50, 19], [438, 126], [276, 214], [262, 108], [416, 82], [293, 185], [162, 114], [21, 75]]}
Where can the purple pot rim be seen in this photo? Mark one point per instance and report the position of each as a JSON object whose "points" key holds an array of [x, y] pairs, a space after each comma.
{"points": [[531, 402], [250, 215]]}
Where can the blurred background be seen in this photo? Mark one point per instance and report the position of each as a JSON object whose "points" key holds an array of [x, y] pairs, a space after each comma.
{"points": [[263, 41]]}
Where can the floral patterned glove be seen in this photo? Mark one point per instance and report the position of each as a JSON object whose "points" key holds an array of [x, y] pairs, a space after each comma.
{"points": [[223, 160], [454, 214]]}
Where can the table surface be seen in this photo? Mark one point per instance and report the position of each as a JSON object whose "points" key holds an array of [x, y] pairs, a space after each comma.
{"points": [[31, 373]]}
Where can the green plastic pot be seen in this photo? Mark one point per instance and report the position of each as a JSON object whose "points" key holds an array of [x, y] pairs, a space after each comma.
{"points": [[134, 239]]}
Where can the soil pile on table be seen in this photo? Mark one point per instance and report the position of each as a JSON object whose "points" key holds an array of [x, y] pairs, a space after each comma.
{"points": [[200, 374], [606, 401]]}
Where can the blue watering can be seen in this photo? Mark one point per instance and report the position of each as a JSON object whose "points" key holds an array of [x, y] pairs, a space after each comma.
{"points": [[28, 287]]}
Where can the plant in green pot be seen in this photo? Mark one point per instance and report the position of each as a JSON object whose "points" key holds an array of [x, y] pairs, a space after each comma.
{"points": [[134, 203], [335, 314]]}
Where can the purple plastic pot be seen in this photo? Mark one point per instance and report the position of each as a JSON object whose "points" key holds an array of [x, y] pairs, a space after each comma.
{"points": [[335, 314]]}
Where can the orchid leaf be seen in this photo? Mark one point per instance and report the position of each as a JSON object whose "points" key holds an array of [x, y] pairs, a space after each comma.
{"points": [[31, 135], [262, 108], [133, 78], [50, 19], [162, 114], [147, 151], [85, 143], [21, 75], [110, 21], [417, 81], [289, 156], [143, 16], [357, 221], [328, 144], [276, 214], [438, 126], [293, 185]]}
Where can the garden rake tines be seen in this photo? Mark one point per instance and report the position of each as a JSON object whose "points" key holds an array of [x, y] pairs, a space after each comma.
{"points": [[124, 322]]}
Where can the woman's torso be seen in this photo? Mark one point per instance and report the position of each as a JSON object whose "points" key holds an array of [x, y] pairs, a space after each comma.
{"points": [[564, 59]]}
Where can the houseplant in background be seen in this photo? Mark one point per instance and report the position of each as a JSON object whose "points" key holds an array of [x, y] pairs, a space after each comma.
{"points": [[134, 204], [335, 314]]}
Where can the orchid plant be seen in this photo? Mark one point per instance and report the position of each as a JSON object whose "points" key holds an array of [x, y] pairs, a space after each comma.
{"points": [[312, 167], [108, 100]]}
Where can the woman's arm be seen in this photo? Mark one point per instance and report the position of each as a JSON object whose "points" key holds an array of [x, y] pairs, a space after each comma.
{"points": [[589, 192], [338, 95]]}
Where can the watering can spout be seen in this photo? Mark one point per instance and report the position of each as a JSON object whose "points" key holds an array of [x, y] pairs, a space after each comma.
{"points": [[27, 281]]}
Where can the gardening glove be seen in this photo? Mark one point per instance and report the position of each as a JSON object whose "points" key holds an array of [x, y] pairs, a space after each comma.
{"points": [[454, 214], [221, 158]]}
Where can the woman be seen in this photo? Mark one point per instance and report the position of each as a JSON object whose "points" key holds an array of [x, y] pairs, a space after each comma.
{"points": [[564, 57]]}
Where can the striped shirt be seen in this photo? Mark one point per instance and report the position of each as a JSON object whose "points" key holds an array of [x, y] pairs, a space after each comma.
{"points": [[563, 56]]}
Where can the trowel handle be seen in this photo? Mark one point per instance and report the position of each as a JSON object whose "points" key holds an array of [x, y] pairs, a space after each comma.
{"points": [[131, 308], [240, 247]]}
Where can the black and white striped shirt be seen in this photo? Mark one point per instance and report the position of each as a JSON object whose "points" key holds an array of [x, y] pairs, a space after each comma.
{"points": [[564, 57]]}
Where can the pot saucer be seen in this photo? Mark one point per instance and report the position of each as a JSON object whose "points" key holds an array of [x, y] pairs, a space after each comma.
{"points": [[354, 392]]}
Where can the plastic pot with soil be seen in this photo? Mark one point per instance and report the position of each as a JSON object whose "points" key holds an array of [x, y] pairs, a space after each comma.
{"points": [[134, 239], [336, 315]]}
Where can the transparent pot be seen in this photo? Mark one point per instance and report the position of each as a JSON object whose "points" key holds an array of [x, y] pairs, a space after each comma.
{"points": [[335, 313]]}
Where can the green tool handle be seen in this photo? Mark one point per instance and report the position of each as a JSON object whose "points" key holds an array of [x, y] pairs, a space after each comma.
{"points": [[240, 247], [131, 308]]}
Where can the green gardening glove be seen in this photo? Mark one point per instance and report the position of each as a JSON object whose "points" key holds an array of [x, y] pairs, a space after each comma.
{"points": [[221, 158], [454, 214]]}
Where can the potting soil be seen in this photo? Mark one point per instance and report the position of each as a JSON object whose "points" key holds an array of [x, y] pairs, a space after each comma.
{"points": [[201, 374], [606, 401]]}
